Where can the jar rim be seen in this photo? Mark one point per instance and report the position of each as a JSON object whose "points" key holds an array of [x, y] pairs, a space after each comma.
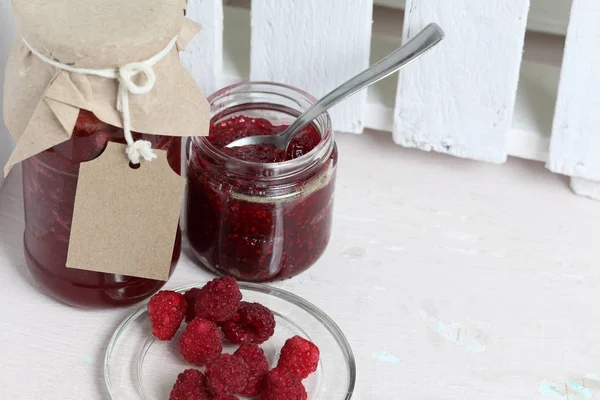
{"points": [[324, 146]]}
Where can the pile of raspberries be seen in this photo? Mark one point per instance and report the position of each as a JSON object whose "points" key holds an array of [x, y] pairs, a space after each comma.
{"points": [[214, 313]]}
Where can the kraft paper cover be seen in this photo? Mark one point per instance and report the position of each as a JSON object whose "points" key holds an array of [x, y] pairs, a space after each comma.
{"points": [[42, 102]]}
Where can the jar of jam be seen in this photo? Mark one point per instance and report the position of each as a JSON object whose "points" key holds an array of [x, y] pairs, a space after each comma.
{"points": [[256, 212], [49, 185], [74, 82]]}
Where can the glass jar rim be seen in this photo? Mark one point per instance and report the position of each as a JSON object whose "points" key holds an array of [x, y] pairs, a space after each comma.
{"points": [[324, 146]]}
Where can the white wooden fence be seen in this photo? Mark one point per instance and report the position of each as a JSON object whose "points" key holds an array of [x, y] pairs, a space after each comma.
{"points": [[474, 96]]}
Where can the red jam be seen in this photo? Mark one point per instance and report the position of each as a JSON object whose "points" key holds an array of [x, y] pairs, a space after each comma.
{"points": [[49, 185], [239, 127], [242, 220]]}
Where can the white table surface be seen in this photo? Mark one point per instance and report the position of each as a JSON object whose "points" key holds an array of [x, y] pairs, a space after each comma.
{"points": [[451, 279]]}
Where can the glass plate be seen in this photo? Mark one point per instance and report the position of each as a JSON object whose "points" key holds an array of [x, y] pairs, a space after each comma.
{"points": [[138, 367]]}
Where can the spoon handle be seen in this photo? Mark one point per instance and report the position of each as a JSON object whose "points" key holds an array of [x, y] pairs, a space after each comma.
{"points": [[425, 40]]}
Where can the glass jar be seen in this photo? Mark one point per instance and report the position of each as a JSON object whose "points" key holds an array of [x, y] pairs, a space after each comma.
{"points": [[49, 185], [260, 221]]}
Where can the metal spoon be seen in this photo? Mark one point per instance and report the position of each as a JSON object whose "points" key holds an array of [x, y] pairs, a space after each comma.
{"points": [[425, 40]]}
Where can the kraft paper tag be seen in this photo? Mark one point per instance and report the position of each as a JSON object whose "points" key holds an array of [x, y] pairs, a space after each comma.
{"points": [[125, 220]]}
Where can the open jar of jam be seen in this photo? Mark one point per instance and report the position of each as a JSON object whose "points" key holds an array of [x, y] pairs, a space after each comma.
{"points": [[256, 212], [49, 185]]}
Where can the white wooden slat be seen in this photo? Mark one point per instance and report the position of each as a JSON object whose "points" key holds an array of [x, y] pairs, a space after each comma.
{"points": [[459, 98], [529, 136], [575, 143], [549, 16], [6, 39], [585, 188], [314, 45], [203, 57]]}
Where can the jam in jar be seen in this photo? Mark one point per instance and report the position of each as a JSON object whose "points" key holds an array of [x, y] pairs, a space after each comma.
{"points": [[256, 212], [49, 185]]}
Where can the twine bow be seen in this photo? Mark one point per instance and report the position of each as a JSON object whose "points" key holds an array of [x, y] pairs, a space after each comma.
{"points": [[125, 75]]}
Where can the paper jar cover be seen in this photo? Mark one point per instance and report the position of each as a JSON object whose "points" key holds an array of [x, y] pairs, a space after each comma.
{"points": [[42, 102]]}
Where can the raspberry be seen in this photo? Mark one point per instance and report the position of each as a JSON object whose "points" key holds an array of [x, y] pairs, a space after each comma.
{"points": [[200, 342], [226, 374], [191, 296], [281, 384], [190, 385], [258, 367], [252, 323], [226, 397], [219, 299], [299, 356], [166, 309]]}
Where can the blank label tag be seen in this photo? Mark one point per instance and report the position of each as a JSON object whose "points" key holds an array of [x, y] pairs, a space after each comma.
{"points": [[125, 220]]}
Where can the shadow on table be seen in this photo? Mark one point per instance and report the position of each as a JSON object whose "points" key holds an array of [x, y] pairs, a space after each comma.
{"points": [[429, 162]]}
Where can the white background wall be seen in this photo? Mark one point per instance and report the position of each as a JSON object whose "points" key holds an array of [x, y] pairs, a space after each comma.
{"points": [[6, 38]]}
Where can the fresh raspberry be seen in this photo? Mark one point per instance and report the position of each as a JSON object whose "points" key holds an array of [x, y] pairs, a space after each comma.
{"points": [[191, 296], [281, 384], [226, 374], [225, 397], [299, 356], [252, 323], [258, 367], [201, 341], [219, 299], [166, 309], [190, 385]]}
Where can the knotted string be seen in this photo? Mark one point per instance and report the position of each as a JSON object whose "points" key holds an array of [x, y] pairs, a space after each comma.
{"points": [[125, 76]]}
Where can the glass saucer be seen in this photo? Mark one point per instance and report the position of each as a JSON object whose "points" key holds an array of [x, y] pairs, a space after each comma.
{"points": [[138, 367]]}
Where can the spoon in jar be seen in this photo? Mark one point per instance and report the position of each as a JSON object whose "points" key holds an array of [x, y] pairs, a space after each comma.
{"points": [[423, 41]]}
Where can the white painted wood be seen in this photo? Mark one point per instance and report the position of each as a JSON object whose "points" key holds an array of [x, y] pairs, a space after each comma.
{"points": [[314, 45], [7, 35], [459, 98], [585, 188], [538, 83], [494, 258], [575, 141], [203, 57], [550, 16]]}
